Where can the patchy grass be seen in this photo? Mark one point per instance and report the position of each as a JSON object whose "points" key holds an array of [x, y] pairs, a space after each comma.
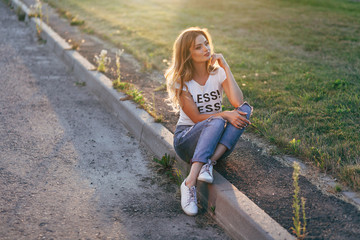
{"points": [[337, 188], [139, 98], [166, 166], [131, 91], [297, 63], [76, 22], [80, 84]]}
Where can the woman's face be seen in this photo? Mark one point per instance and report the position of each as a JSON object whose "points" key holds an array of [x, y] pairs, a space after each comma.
{"points": [[200, 50]]}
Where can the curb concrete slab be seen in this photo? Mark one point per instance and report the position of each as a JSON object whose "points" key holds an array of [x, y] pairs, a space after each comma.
{"points": [[237, 214]]}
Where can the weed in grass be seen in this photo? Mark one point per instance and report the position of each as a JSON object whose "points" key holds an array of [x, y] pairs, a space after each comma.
{"points": [[130, 90], [64, 14], [337, 188], [178, 178], [36, 11], [76, 22], [319, 157], [80, 84], [33, 10], [147, 64], [166, 166], [20, 14], [212, 208], [351, 175], [102, 61], [299, 228], [75, 45], [158, 118], [294, 145], [121, 85], [117, 84], [166, 161], [136, 96], [162, 87], [41, 41], [118, 65]]}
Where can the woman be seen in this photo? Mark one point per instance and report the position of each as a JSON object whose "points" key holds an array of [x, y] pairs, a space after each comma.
{"points": [[204, 133]]}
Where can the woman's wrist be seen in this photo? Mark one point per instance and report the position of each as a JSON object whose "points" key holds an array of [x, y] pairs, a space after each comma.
{"points": [[224, 115]]}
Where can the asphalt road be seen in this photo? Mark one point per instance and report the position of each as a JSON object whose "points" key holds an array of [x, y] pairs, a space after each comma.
{"points": [[68, 168]]}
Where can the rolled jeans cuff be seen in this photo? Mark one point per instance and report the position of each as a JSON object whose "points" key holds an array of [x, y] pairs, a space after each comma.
{"points": [[199, 160]]}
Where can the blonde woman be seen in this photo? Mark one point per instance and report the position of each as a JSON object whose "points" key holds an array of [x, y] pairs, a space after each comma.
{"points": [[204, 133]]}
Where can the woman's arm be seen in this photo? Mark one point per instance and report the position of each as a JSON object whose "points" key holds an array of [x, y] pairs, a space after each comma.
{"points": [[231, 88], [189, 107]]}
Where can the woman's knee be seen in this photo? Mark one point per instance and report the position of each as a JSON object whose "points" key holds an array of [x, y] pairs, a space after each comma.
{"points": [[245, 107], [218, 122]]}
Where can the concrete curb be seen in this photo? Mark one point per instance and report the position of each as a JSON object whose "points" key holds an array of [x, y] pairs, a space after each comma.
{"points": [[237, 214]]}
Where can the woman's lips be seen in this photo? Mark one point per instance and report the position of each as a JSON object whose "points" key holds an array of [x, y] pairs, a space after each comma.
{"points": [[207, 54]]}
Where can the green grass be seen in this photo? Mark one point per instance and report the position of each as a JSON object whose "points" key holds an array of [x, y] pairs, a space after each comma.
{"points": [[166, 165], [21, 14], [297, 63]]}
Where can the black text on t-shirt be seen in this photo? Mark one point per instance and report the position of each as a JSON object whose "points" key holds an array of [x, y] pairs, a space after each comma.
{"points": [[207, 97]]}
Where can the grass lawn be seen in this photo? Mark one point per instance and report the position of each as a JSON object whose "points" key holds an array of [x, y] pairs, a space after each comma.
{"points": [[297, 62]]}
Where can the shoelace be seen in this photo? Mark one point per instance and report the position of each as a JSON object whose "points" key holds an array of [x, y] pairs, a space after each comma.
{"points": [[192, 194], [207, 168]]}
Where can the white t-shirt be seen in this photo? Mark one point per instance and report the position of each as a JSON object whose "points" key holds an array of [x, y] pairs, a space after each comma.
{"points": [[208, 98]]}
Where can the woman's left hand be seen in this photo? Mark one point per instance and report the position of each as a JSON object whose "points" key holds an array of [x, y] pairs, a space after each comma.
{"points": [[220, 59]]}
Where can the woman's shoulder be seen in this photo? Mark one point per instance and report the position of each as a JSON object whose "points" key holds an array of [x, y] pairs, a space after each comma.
{"points": [[218, 74]]}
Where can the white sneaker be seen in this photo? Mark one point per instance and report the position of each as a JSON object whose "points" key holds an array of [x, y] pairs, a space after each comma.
{"points": [[188, 199], [206, 173]]}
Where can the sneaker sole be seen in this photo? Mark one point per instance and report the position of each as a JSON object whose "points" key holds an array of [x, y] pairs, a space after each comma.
{"points": [[189, 213], [206, 180]]}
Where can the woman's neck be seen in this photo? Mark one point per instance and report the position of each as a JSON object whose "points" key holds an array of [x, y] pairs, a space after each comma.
{"points": [[200, 71]]}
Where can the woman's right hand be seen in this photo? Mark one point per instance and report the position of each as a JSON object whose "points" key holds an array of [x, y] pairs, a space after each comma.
{"points": [[236, 118]]}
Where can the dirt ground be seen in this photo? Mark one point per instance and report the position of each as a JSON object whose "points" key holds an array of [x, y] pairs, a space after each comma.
{"points": [[260, 176]]}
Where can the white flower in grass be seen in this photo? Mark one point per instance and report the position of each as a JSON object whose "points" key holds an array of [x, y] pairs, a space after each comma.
{"points": [[103, 61]]}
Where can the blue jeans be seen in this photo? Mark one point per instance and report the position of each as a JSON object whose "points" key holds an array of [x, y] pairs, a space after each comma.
{"points": [[197, 143]]}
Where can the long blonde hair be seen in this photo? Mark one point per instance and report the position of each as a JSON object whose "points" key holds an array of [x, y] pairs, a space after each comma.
{"points": [[181, 69]]}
